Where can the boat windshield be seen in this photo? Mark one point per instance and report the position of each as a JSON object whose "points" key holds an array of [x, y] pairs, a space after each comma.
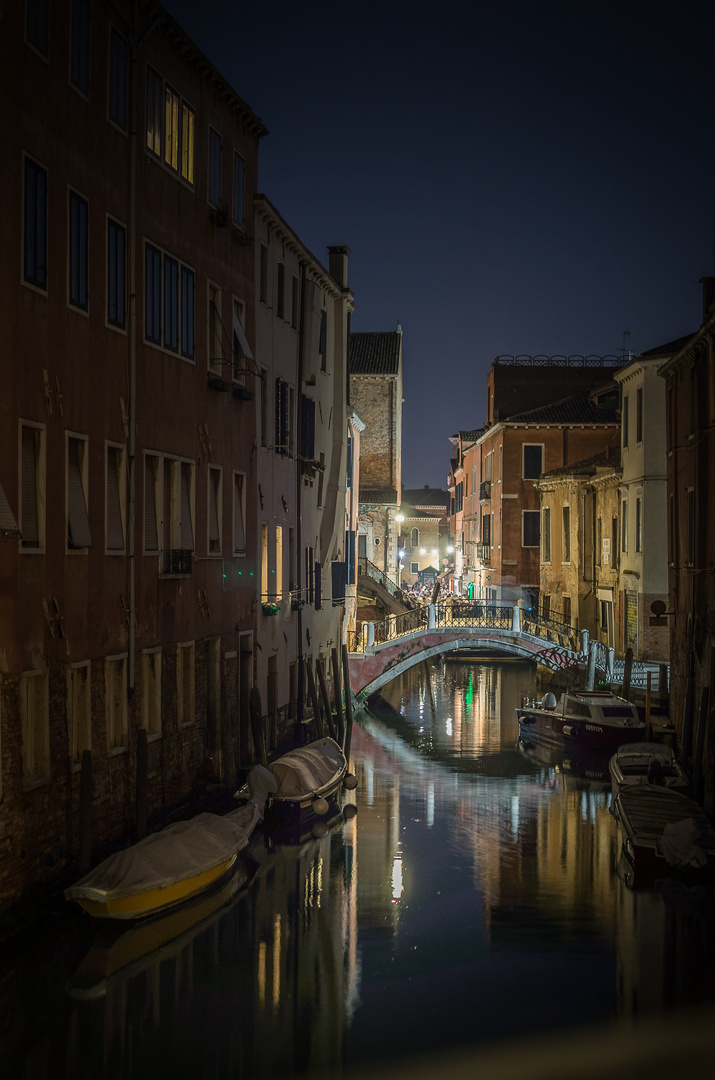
{"points": [[616, 710]]}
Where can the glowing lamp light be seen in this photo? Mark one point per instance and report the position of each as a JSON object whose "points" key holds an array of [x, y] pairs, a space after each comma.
{"points": [[450, 549], [397, 878], [399, 517], [422, 551]]}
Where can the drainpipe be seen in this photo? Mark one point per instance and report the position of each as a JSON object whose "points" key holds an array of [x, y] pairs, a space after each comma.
{"points": [[298, 509]]}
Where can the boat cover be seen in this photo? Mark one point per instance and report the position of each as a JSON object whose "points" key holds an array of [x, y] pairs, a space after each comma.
{"points": [[679, 844], [179, 851], [299, 772], [639, 752]]}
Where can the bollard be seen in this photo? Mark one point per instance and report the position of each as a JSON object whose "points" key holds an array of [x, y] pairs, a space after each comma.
{"points": [[370, 634]]}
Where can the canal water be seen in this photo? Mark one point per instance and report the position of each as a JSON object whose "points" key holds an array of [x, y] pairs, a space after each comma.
{"points": [[467, 900]]}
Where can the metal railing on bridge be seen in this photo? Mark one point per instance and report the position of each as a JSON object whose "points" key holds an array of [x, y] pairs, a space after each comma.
{"points": [[368, 569]]}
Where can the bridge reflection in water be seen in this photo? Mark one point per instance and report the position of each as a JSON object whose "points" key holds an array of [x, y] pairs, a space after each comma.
{"points": [[472, 899]]}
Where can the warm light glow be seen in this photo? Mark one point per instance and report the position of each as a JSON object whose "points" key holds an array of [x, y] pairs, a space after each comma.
{"points": [[422, 551], [450, 549], [397, 878], [399, 517]]}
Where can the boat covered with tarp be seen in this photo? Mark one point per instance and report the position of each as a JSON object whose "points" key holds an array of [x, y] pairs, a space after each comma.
{"points": [[167, 867]]}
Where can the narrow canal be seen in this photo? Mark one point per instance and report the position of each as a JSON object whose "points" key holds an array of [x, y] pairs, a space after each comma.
{"points": [[470, 902]]}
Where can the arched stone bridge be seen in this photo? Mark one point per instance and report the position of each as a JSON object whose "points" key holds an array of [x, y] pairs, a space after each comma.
{"points": [[381, 651]]}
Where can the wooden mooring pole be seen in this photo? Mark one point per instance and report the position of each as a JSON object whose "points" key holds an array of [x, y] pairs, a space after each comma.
{"points": [[319, 726], [337, 691]]}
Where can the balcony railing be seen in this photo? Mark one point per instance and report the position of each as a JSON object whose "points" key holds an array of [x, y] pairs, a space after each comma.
{"points": [[485, 491]]}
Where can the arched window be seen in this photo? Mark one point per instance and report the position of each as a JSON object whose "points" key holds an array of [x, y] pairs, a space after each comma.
{"points": [[415, 540]]}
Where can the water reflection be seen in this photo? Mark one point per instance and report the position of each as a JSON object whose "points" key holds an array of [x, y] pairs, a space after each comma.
{"points": [[472, 898]]}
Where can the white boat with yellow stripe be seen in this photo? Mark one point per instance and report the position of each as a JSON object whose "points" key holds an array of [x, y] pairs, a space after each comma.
{"points": [[167, 867]]}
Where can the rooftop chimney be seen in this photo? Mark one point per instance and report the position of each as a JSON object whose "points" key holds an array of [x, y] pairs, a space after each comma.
{"points": [[338, 265], [708, 284]]}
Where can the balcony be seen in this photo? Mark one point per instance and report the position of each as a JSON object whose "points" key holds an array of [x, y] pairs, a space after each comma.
{"points": [[485, 491], [176, 561], [483, 552]]}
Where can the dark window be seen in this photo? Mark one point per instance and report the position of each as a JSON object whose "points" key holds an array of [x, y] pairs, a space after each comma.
{"points": [[531, 528], [350, 556], [624, 420], [294, 304], [280, 298], [79, 251], [533, 455], [239, 185], [322, 344], [639, 415], [187, 312], [38, 25], [338, 574], [486, 529], [214, 167], [153, 295], [307, 428], [566, 555], [79, 65], [78, 535], [116, 256], [154, 101], [282, 419], [263, 276], [639, 525], [547, 534], [171, 304], [35, 247], [118, 80]]}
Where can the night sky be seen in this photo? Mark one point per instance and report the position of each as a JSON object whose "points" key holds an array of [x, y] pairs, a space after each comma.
{"points": [[510, 177]]}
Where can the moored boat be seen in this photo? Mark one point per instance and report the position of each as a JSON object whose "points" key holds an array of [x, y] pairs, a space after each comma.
{"points": [[592, 720], [647, 763], [664, 834], [167, 867], [300, 787]]}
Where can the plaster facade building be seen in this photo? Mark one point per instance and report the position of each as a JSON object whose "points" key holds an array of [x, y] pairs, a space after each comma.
{"points": [[424, 532], [689, 377], [376, 394]]}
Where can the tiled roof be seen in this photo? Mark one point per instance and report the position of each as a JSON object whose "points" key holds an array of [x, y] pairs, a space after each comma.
{"points": [[577, 409], [375, 352], [610, 458], [424, 497], [379, 496], [670, 348], [471, 436]]}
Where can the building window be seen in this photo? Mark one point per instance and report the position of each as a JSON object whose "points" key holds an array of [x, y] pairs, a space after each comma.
{"points": [[78, 710], [116, 274], [172, 109], [487, 529], [115, 679], [414, 568], [185, 692], [241, 350], [263, 275], [214, 511], [307, 434], [170, 124], [117, 79], [37, 25], [115, 504], [153, 295], [151, 503], [530, 528], [566, 549], [532, 461], [187, 313], [35, 240], [214, 329], [546, 534], [78, 534], [546, 607], [239, 190], [79, 251], [151, 691], [624, 526], [177, 536], [639, 525], [32, 488], [264, 563], [280, 297], [294, 303], [34, 709], [323, 340], [239, 514], [278, 587], [639, 414], [624, 421], [171, 304], [284, 417], [264, 407], [566, 604], [415, 538], [214, 168], [79, 58]]}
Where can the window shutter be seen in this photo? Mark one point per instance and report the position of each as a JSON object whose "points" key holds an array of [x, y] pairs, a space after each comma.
{"points": [[338, 572], [239, 532], [78, 535], [214, 533], [151, 532], [318, 586], [8, 525], [307, 428], [350, 556], [115, 529], [187, 529], [29, 525]]}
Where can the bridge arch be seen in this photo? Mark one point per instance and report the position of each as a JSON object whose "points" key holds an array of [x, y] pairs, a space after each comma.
{"points": [[368, 673]]}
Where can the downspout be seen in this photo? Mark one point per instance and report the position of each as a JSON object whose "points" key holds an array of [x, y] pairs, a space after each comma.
{"points": [[299, 509]]}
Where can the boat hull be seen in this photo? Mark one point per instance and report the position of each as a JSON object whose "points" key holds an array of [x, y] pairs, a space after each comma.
{"points": [[153, 901], [585, 736], [643, 813]]}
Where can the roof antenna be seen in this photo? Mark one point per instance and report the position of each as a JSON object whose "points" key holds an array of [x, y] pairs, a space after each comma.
{"points": [[626, 333], [399, 328]]}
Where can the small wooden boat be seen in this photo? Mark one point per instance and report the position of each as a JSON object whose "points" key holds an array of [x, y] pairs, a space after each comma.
{"points": [[664, 834], [166, 868], [592, 720], [299, 787], [647, 763]]}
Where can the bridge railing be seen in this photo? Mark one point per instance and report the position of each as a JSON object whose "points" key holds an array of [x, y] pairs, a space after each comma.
{"points": [[460, 611], [368, 569], [551, 629]]}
